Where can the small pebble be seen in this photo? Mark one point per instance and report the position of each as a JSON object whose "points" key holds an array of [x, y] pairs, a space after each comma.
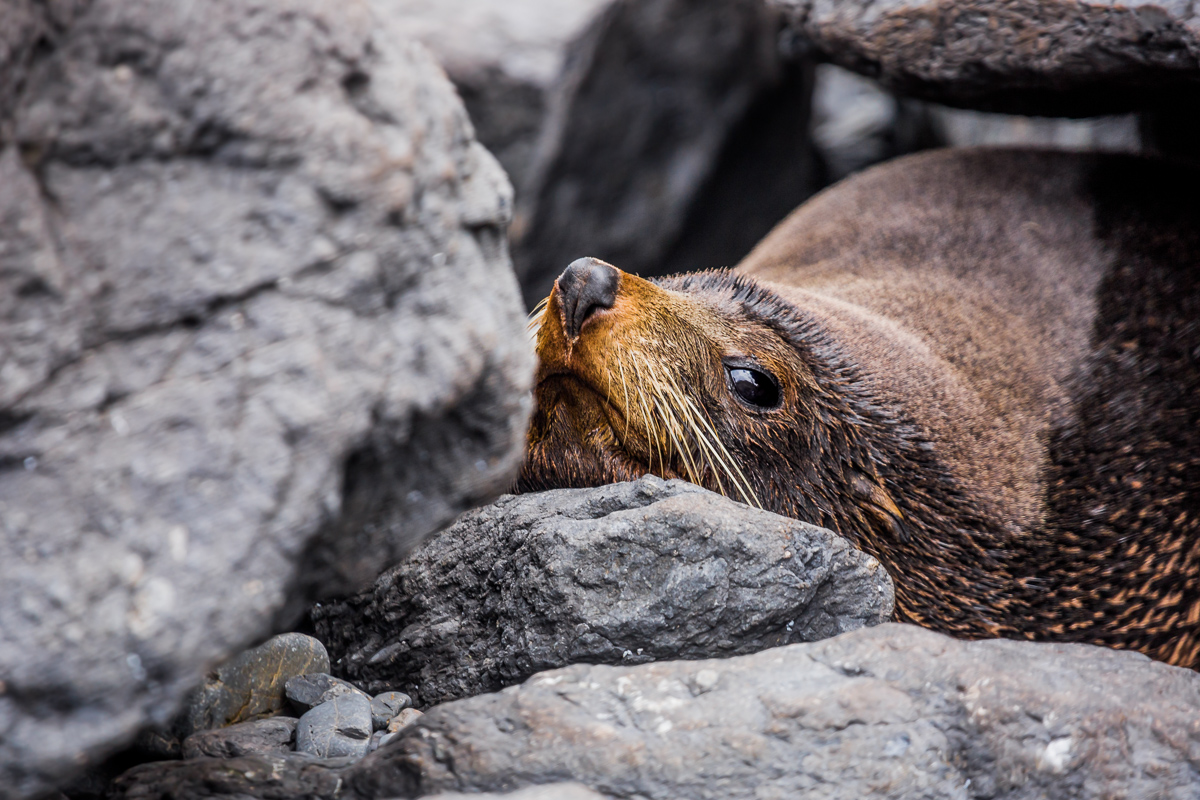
{"points": [[386, 706], [402, 720]]}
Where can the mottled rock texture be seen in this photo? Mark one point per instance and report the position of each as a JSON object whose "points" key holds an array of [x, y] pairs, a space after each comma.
{"points": [[1046, 57], [625, 573], [890, 711], [258, 335]]}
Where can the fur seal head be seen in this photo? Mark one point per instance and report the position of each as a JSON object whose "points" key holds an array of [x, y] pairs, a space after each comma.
{"points": [[714, 378]]}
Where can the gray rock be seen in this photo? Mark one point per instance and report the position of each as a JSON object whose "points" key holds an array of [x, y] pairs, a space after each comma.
{"points": [[260, 335], [252, 684], [387, 705], [339, 727], [505, 59], [634, 131], [271, 777], [1049, 57], [257, 737], [890, 711], [630, 129], [306, 691], [625, 573], [553, 791]]}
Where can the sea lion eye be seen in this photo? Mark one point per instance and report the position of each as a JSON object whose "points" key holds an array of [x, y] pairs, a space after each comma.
{"points": [[753, 386]]}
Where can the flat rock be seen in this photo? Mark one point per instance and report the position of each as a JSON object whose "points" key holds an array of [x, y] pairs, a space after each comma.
{"points": [[306, 691], [625, 573], [552, 791], [260, 334], [1043, 57], [281, 776], [892, 710], [256, 737], [336, 728], [252, 684]]}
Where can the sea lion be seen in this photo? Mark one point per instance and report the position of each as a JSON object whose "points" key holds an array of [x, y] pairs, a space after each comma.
{"points": [[980, 366]]}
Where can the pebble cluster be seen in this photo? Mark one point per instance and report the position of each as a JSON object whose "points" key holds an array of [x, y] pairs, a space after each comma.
{"points": [[336, 719]]}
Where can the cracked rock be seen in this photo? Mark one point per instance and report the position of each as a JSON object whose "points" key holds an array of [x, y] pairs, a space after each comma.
{"points": [[618, 574], [259, 334]]}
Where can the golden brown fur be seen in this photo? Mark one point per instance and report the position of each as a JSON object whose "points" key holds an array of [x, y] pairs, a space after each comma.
{"points": [[990, 370]]}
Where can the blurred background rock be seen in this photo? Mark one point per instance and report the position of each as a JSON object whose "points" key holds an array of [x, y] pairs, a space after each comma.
{"points": [[667, 135]]}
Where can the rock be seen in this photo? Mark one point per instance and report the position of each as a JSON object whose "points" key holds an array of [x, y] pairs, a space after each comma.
{"points": [[552, 791], [625, 573], [252, 684], [649, 96], [1049, 57], [891, 710], [336, 728], [273, 777], [505, 59], [402, 720], [306, 691], [387, 705], [257, 737], [260, 335]]}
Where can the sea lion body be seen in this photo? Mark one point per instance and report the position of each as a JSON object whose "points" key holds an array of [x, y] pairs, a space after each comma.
{"points": [[987, 365]]}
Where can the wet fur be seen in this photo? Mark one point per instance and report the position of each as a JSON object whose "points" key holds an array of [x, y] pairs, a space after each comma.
{"points": [[992, 375]]}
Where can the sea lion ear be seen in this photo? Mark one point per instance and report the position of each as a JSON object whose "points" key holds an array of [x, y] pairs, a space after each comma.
{"points": [[880, 505]]}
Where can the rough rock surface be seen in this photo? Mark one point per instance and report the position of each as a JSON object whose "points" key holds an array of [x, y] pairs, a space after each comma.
{"points": [[257, 737], [1045, 57], [625, 573], [284, 776], [889, 711], [258, 335]]}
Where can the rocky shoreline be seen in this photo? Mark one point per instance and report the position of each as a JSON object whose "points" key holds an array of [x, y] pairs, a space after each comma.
{"points": [[262, 334]]}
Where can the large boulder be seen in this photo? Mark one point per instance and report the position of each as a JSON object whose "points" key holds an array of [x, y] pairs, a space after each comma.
{"points": [[620, 574], [259, 334], [889, 711], [1045, 57]]}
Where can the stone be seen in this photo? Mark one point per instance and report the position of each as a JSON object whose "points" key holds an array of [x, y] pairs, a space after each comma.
{"points": [[1041, 57], [552, 791], [259, 334], [695, 100], [385, 706], [336, 728], [649, 95], [892, 710], [270, 777], [402, 720], [252, 684], [306, 691], [257, 737], [504, 58], [619, 574]]}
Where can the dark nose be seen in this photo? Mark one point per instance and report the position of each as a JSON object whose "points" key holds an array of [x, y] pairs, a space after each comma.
{"points": [[585, 286]]}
